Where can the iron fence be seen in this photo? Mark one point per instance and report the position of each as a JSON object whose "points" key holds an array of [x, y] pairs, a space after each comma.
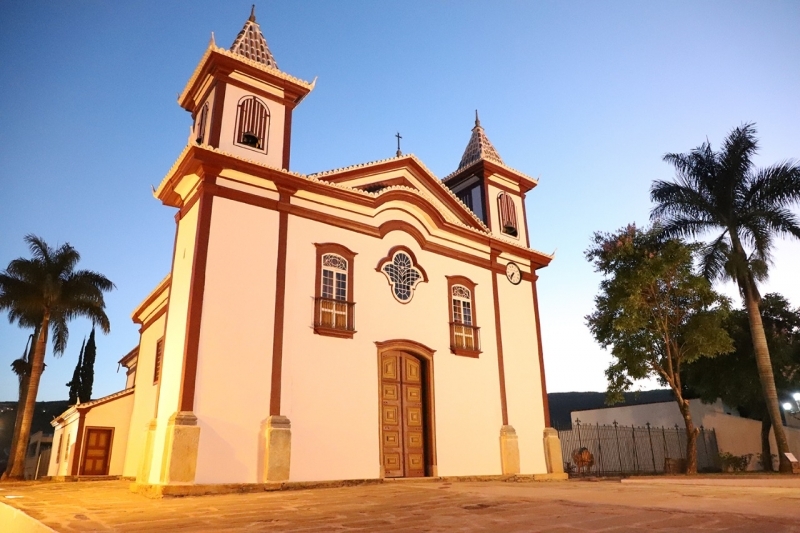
{"points": [[600, 450]]}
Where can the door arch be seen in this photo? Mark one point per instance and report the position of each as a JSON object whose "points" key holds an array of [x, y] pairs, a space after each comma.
{"points": [[406, 409]]}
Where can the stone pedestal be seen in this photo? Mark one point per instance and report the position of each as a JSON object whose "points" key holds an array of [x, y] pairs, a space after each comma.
{"points": [[179, 464], [509, 450], [143, 475], [552, 452], [278, 448]]}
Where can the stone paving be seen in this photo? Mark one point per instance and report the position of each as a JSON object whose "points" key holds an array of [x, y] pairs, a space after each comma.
{"points": [[427, 506]]}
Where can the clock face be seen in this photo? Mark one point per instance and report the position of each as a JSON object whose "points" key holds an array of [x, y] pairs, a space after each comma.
{"points": [[513, 273]]}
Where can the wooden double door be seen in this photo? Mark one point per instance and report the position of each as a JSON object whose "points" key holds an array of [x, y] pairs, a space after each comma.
{"points": [[403, 415]]}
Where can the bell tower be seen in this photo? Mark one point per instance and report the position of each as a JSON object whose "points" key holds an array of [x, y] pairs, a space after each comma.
{"points": [[492, 190], [241, 103]]}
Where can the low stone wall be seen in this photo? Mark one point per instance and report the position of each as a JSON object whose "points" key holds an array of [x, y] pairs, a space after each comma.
{"points": [[15, 520]]}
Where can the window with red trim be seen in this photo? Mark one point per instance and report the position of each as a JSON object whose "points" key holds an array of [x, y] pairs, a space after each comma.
{"points": [[334, 308], [159, 358], [252, 124], [464, 331], [508, 214], [200, 124]]}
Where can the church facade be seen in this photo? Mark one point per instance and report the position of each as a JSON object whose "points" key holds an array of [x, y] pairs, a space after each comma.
{"points": [[365, 322]]}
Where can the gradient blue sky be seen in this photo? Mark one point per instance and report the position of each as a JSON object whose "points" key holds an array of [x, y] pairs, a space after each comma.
{"points": [[586, 95]]}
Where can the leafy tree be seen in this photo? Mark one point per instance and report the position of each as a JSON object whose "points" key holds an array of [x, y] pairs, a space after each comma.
{"points": [[655, 314], [746, 208], [75, 384], [87, 369], [47, 284], [734, 377]]}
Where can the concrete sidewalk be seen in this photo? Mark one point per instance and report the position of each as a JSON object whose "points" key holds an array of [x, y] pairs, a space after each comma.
{"points": [[556, 507]]}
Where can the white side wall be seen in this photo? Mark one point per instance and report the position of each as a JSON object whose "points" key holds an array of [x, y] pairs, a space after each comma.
{"points": [[115, 414], [175, 337], [232, 389], [144, 397], [522, 372], [60, 464]]}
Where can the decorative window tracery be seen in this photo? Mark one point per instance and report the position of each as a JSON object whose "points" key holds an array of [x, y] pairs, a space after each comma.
{"points": [[252, 124], [403, 275]]}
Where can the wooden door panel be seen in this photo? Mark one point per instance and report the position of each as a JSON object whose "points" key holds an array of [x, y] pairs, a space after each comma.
{"points": [[402, 415], [96, 453]]}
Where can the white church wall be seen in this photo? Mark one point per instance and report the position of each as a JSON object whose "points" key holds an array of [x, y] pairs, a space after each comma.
{"points": [[522, 372], [61, 463], [274, 155], [232, 387], [175, 336], [144, 403], [338, 418]]}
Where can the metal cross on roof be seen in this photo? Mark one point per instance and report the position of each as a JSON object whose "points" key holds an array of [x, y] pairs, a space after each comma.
{"points": [[399, 153]]}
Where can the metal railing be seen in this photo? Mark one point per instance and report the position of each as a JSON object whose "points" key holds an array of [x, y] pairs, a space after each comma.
{"points": [[613, 449]]}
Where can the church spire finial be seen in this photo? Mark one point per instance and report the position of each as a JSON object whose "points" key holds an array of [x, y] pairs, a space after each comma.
{"points": [[251, 44], [477, 120], [399, 153], [211, 41], [479, 147]]}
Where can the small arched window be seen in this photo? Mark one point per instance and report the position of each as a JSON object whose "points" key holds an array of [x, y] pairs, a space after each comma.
{"points": [[200, 124], [508, 214], [252, 124]]}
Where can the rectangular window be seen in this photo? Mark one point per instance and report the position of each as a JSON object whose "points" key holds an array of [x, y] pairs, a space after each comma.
{"points": [[58, 454], [66, 448], [508, 214], [334, 292], [159, 357], [327, 284]]}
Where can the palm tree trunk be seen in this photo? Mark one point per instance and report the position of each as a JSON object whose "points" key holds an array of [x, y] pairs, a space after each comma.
{"points": [[766, 453], [20, 448], [24, 382], [766, 376]]}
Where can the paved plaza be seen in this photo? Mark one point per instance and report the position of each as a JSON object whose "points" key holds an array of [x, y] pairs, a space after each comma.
{"points": [[727, 504]]}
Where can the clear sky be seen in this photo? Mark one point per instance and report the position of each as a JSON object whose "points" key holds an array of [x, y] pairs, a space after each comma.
{"points": [[585, 95]]}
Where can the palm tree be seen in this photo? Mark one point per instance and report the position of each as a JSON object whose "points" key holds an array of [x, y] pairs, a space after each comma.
{"points": [[722, 193], [48, 285]]}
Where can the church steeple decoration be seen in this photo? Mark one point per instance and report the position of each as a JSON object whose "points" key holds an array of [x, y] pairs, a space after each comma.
{"points": [[251, 43], [479, 147]]}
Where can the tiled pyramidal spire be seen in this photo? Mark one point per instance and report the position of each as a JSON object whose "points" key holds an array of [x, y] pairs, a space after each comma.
{"points": [[479, 147], [251, 44]]}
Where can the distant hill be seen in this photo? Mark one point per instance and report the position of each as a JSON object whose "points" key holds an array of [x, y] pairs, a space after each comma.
{"points": [[45, 412], [562, 403]]}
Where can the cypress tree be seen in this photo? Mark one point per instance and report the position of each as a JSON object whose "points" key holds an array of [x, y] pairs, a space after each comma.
{"points": [[75, 384], [87, 369]]}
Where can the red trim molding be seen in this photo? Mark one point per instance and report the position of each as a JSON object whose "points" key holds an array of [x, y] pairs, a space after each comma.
{"points": [[287, 136], [197, 290], [498, 333], [216, 114], [280, 299], [545, 401]]}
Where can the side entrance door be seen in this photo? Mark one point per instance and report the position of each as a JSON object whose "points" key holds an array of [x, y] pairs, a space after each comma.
{"points": [[402, 415], [97, 451]]}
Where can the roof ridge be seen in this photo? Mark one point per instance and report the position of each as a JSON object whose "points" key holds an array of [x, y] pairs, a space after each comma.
{"points": [[483, 230]]}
